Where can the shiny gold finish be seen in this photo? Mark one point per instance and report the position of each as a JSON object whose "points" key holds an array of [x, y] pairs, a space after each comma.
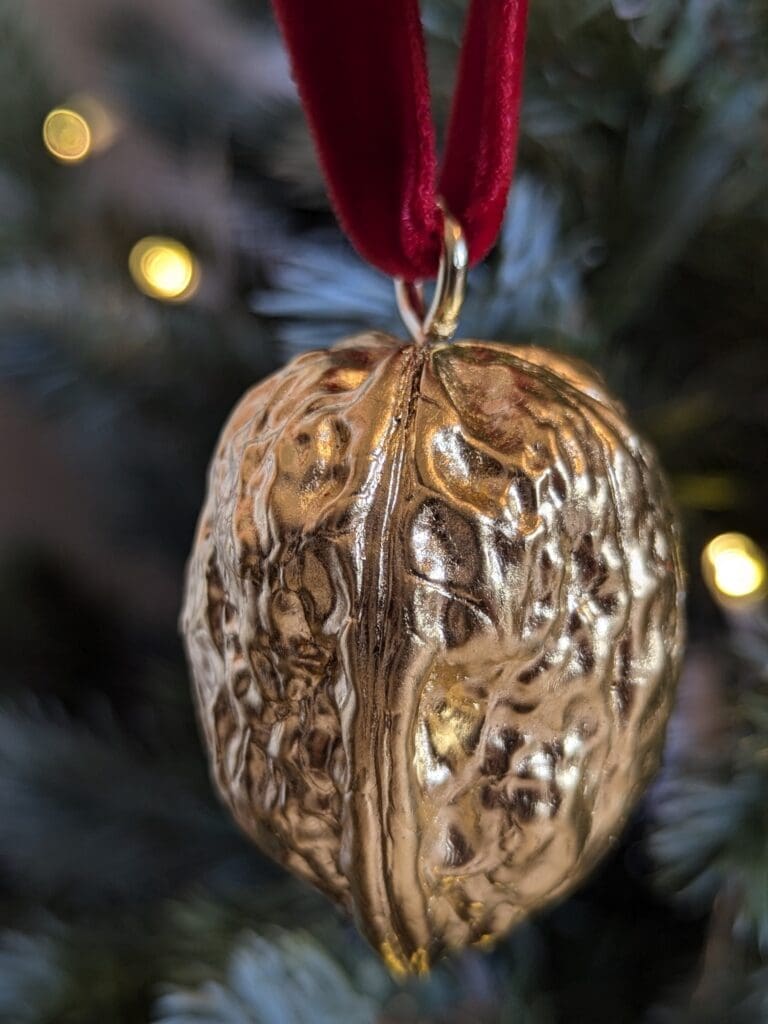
{"points": [[434, 614], [440, 323], [410, 306]]}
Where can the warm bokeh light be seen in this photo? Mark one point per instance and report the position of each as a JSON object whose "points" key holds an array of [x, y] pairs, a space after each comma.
{"points": [[164, 269], [735, 568], [67, 135], [78, 129]]}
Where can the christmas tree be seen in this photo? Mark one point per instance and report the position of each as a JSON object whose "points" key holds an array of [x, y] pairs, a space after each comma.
{"points": [[166, 241]]}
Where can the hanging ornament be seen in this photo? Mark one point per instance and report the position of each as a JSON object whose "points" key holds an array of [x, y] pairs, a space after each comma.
{"points": [[434, 606]]}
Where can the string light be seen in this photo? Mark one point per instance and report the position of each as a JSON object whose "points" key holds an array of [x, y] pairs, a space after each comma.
{"points": [[735, 569], [81, 127], [164, 269], [67, 135]]}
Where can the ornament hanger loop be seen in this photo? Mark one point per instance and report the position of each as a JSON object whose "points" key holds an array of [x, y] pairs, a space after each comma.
{"points": [[440, 323]]}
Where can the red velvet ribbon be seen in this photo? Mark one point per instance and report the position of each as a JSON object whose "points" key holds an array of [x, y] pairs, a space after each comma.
{"points": [[361, 70]]}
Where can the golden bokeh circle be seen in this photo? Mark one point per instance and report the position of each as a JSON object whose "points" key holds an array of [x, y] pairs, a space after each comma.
{"points": [[164, 268], [67, 135], [735, 569]]}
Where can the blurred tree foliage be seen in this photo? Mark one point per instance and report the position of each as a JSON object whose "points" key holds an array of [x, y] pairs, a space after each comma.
{"points": [[635, 237]]}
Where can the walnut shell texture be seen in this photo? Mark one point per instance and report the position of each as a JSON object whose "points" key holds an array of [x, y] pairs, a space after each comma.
{"points": [[434, 616]]}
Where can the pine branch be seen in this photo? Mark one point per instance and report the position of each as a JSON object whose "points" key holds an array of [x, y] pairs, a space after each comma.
{"points": [[713, 820], [30, 978], [288, 979], [86, 818]]}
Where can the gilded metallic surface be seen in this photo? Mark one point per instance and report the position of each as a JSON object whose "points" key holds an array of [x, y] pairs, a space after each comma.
{"points": [[442, 319], [434, 618]]}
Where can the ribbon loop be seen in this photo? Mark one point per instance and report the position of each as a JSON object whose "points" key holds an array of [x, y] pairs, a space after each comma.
{"points": [[361, 70]]}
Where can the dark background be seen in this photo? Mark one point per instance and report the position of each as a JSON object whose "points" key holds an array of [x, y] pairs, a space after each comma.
{"points": [[635, 237]]}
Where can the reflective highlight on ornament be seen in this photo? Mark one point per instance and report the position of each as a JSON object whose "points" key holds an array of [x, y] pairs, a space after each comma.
{"points": [[164, 269], [67, 135], [734, 569]]}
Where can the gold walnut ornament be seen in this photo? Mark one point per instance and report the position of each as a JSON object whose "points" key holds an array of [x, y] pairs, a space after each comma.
{"points": [[434, 616]]}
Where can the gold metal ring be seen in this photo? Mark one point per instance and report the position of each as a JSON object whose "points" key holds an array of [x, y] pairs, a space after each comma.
{"points": [[440, 323]]}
